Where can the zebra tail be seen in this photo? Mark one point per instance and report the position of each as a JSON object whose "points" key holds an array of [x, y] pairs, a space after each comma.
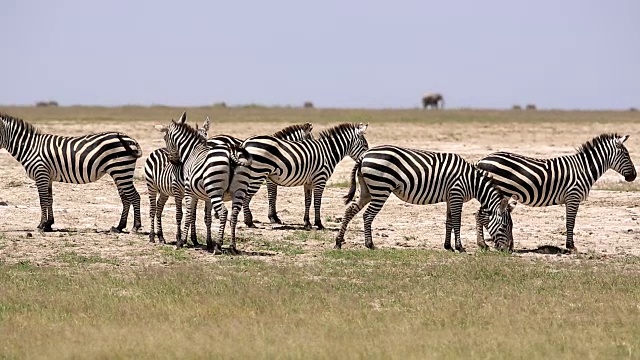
{"points": [[137, 153], [248, 159], [352, 187]]}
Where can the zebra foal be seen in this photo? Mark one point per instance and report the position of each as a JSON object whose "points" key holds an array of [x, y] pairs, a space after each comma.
{"points": [[76, 160], [423, 177], [561, 180], [307, 163]]}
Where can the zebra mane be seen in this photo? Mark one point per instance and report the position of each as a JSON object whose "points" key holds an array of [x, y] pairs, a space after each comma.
{"points": [[596, 141], [289, 130], [338, 129], [20, 123], [191, 131], [487, 175]]}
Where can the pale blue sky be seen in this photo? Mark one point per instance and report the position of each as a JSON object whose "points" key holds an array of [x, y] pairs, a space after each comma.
{"points": [[490, 53]]}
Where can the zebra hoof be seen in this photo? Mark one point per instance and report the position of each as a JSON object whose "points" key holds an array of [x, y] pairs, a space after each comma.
{"points": [[320, 226], [370, 246], [250, 225], [275, 220], [448, 247], [337, 246], [461, 249], [307, 226], [115, 230]]}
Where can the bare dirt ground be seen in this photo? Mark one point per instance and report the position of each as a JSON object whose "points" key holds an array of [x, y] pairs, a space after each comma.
{"points": [[607, 224]]}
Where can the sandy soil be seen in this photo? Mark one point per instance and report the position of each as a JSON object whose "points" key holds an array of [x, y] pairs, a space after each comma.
{"points": [[607, 224]]}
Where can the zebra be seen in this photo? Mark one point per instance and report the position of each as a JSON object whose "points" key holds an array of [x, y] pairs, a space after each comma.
{"points": [[309, 163], [159, 175], [561, 180], [207, 174], [422, 177], [297, 132], [76, 160]]}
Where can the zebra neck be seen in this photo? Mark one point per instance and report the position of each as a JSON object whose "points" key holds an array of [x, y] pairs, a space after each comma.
{"points": [[190, 149], [483, 191], [595, 163], [334, 149], [23, 144]]}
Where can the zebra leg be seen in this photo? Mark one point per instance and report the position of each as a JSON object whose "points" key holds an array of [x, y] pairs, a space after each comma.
{"points": [[572, 204], [161, 202], [456, 215], [207, 223], [317, 202], [448, 229], [187, 224], [42, 183], [218, 206], [152, 212], [272, 191], [236, 205], [251, 190], [134, 198], [194, 233], [125, 212], [353, 209], [178, 199], [480, 231], [370, 213], [50, 219], [308, 190]]}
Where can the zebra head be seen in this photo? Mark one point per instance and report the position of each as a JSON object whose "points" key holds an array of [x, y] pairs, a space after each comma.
{"points": [[358, 144], [495, 210], [180, 138], [483, 217], [621, 161]]}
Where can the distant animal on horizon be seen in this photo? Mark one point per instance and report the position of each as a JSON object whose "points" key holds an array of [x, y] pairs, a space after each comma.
{"points": [[75, 160], [432, 100]]}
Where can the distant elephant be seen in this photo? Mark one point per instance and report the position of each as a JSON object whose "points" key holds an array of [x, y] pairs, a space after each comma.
{"points": [[432, 100]]}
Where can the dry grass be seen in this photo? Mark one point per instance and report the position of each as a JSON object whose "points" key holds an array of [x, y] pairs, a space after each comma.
{"points": [[348, 304], [76, 114]]}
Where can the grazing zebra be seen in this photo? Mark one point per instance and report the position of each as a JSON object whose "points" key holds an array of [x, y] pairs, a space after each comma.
{"points": [[207, 174], [432, 99], [297, 132], [160, 175], [423, 177], [76, 160], [309, 163], [561, 180]]}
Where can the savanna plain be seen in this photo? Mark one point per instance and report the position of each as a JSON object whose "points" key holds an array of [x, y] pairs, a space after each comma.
{"points": [[83, 292]]}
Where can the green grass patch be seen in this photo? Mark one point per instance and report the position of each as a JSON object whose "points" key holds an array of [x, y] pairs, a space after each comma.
{"points": [[345, 304], [73, 258], [171, 255]]}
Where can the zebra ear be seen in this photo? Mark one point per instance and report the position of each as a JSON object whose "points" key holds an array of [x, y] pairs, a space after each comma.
{"points": [[513, 201], [161, 128], [206, 124], [363, 128], [623, 139], [183, 117]]}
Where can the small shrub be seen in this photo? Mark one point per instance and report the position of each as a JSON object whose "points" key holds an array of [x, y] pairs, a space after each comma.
{"points": [[633, 109], [308, 105], [516, 107], [220, 104], [47, 104], [531, 107]]}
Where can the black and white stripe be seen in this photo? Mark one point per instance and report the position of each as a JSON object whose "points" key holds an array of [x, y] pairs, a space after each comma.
{"points": [[422, 177], [160, 177], [307, 163], [76, 160], [561, 180], [207, 174]]}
